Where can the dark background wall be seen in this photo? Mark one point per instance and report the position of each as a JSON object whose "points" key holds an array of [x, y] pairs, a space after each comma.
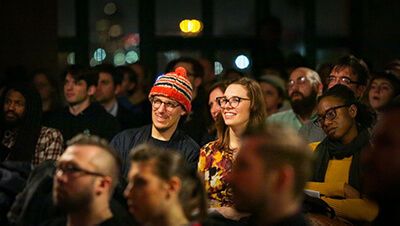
{"points": [[28, 34]]}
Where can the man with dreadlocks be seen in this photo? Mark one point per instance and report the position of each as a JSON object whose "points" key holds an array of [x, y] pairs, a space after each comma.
{"points": [[21, 134]]}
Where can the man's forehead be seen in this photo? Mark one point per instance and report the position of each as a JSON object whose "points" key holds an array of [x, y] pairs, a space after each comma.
{"points": [[70, 77], [15, 94], [299, 72], [105, 75], [343, 70], [79, 152]]}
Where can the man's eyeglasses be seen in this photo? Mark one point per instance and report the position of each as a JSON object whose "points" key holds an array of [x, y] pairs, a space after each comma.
{"points": [[300, 81], [344, 80], [330, 114], [169, 105], [233, 101], [71, 169]]}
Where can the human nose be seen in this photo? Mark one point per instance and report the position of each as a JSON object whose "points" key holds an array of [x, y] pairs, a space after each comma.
{"points": [[128, 190], [60, 176], [162, 107], [68, 85], [10, 106]]}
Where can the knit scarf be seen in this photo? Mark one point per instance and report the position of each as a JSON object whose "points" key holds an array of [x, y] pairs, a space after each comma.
{"points": [[329, 149]]}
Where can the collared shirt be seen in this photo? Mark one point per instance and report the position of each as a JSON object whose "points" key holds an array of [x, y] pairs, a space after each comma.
{"points": [[288, 118], [48, 146], [309, 131], [114, 109]]}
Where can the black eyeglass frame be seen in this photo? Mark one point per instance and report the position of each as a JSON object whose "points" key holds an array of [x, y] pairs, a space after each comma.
{"points": [[168, 105], [321, 119], [230, 100], [71, 169], [343, 77]]}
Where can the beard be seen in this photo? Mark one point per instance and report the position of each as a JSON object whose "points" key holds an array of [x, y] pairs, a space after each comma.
{"points": [[305, 105], [12, 120], [73, 202]]}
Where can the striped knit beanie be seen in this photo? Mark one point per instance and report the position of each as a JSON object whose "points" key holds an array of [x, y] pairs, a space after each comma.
{"points": [[174, 85]]}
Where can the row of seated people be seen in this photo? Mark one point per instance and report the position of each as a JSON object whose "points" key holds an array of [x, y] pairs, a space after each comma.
{"points": [[242, 106]]}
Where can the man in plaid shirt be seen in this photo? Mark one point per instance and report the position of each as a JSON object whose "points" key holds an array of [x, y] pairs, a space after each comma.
{"points": [[21, 134]]}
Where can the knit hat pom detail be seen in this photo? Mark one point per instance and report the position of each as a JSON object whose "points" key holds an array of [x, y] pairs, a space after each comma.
{"points": [[180, 71]]}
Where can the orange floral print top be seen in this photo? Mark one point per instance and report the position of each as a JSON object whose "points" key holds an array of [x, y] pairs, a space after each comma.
{"points": [[214, 166]]}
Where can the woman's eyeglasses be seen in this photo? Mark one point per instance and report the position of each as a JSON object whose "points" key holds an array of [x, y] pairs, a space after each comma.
{"points": [[330, 114], [233, 101]]}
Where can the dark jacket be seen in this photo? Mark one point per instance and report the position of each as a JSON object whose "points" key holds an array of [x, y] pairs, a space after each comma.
{"points": [[128, 139], [93, 120], [129, 119]]}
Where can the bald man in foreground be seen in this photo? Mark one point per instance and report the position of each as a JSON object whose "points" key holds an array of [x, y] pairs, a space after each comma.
{"points": [[86, 175]]}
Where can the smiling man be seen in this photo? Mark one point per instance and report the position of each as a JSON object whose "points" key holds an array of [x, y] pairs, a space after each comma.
{"points": [[170, 97]]}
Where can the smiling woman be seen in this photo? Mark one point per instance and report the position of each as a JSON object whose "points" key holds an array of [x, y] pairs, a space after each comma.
{"points": [[242, 106]]}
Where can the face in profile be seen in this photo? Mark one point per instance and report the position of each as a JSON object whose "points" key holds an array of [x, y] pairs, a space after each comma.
{"points": [[380, 93], [271, 97], [146, 193], [236, 109], [251, 184], [43, 86], [75, 92], [215, 109], [105, 91], [336, 118], [75, 178]]}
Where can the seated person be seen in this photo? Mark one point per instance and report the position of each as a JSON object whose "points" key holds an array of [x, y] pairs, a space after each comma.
{"points": [[162, 190], [384, 87], [337, 171]]}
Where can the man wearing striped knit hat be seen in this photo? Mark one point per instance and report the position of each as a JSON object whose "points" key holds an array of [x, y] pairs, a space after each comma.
{"points": [[170, 97]]}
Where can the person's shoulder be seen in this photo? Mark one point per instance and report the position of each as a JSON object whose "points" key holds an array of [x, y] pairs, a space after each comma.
{"points": [[61, 221], [131, 133], [113, 221], [209, 145], [50, 130], [187, 139], [282, 114]]}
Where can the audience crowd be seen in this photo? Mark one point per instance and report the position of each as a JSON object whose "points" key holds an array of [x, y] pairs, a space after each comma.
{"points": [[298, 146]]}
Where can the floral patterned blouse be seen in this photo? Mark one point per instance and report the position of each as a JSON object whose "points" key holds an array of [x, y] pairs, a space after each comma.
{"points": [[214, 166]]}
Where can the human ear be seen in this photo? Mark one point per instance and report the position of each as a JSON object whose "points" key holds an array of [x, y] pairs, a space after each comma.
{"points": [[174, 185], [353, 110], [91, 90]]}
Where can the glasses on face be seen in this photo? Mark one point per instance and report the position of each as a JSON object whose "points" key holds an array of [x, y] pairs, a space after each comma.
{"points": [[344, 80], [169, 105], [330, 114], [233, 101], [71, 170], [300, 81]]}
